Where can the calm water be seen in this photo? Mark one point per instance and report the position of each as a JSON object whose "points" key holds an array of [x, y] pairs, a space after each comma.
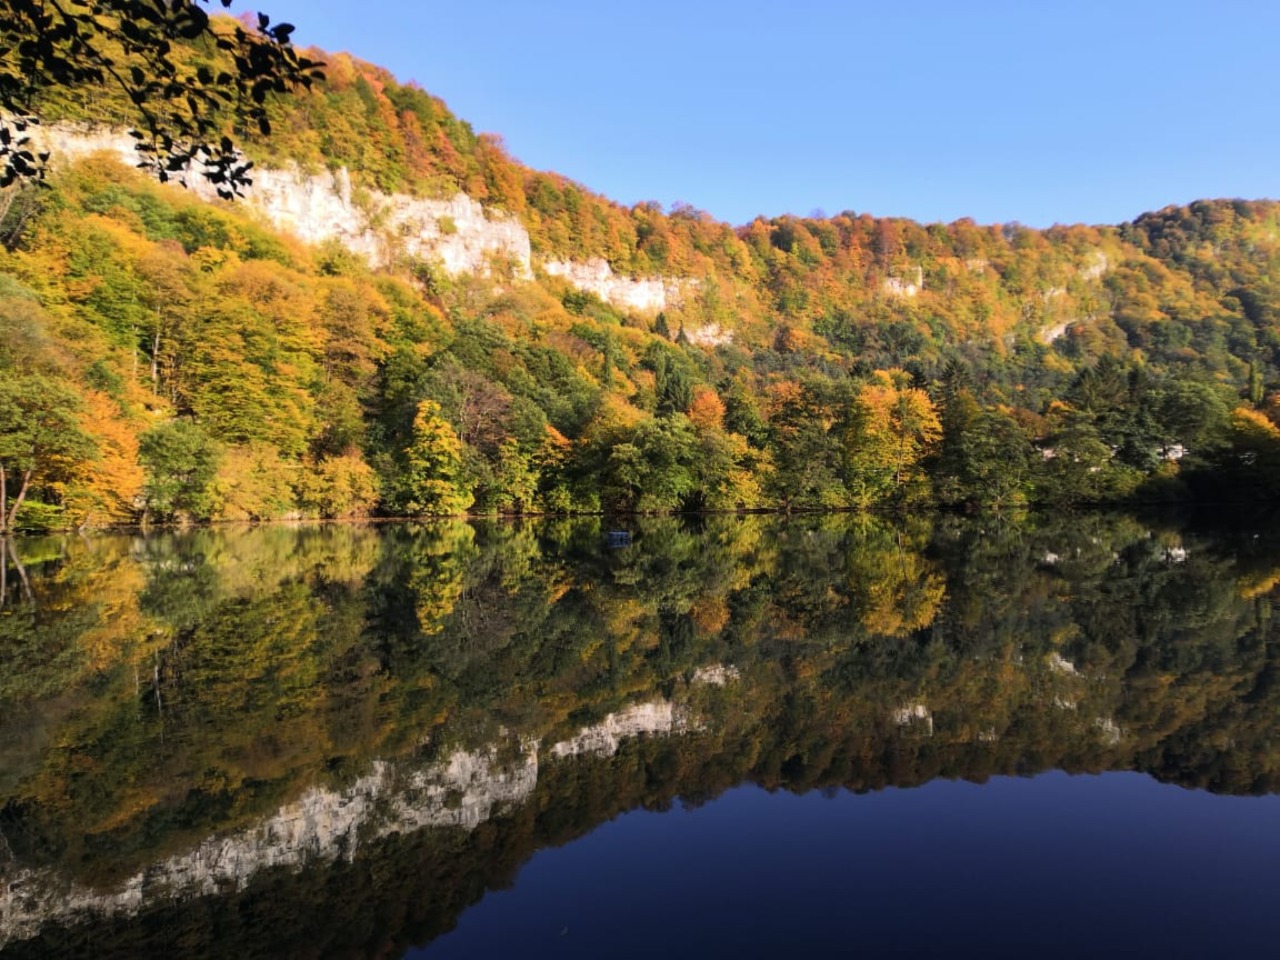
{"points": [[742, 737]]}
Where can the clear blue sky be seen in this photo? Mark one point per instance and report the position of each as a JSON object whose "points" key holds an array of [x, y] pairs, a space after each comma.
{"points": [[1033, 110]]}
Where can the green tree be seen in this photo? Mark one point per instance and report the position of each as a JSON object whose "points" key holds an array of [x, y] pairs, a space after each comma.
{"points": [[41, 440], [181, 463], [995, 461], [807, 471], [1074, 467]]}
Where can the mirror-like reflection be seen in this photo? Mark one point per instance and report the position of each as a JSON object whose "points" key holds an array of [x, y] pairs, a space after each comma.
{"points": [[331, 740]]}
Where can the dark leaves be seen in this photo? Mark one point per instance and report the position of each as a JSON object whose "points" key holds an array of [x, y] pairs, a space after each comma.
{"points": [[46, 46]]}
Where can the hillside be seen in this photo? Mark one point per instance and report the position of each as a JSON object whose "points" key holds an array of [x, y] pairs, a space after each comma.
{"points": [[400, 318]]}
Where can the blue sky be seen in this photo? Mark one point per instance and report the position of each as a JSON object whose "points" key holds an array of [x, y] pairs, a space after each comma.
{"points": [[1034, 111]]}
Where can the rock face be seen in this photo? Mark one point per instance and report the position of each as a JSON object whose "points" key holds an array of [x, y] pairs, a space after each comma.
{"points": [[641, 295], [462, 791], [904, 287], [914, 718], [712, 335], [717, 674], [1097, 268], [1058, 330], [459, 234], [602, 740]]}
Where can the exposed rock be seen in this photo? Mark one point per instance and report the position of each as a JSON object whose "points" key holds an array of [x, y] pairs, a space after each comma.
{"points": [[1055, 332], [1111, 731], [642, 295], [1059, 664], [458, 233], [716, 675], [602, 739], [914, 718], [712, 335], [905, 288], [462, 791], [1097, 268]]}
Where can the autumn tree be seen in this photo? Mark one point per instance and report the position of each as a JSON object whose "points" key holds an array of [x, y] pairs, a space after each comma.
{"points": [[806, 470], [433, 478], [892, 427]]}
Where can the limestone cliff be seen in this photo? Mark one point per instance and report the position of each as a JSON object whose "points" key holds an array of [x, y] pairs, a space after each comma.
{"points": [[459, 234], [640, 295]]}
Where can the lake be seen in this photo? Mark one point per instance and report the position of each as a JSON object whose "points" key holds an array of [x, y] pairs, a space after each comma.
{"points": [[740, 736]]}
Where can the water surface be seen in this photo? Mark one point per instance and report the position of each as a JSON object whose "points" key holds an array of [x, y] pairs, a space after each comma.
{"points": [[733, 736]]}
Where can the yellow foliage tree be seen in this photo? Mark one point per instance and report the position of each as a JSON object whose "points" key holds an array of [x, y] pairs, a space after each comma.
{"points": [[893, 427]]}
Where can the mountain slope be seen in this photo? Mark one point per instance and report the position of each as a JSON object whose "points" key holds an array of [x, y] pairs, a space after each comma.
{"points": [[402, 318]]}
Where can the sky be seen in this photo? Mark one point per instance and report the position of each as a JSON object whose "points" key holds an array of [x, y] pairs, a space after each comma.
{"points": [[1035, 111]]}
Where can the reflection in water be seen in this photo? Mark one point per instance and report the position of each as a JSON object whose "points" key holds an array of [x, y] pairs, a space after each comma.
{"points": [[188, 721]]}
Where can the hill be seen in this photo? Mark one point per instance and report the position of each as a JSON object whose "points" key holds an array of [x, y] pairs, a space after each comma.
{"points": [[403, 319]]}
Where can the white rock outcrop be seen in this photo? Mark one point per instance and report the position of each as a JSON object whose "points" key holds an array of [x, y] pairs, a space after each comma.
{"points": [[461, 791], [904, 287], [640, 294], [658, 718], [1098, 266], [914, 718], [458, 233], [716, 675], [712, 335], [1060, 664], [1055, 332], [326, 825]]}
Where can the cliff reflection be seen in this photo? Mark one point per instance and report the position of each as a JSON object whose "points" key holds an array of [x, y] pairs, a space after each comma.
{"points": [[346, 734]]}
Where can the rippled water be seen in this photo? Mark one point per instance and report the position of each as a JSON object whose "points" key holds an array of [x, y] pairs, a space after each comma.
{"points": [[732, 736]]}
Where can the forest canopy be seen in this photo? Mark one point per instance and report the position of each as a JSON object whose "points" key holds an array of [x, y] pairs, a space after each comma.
{"points": [[209, 367]]}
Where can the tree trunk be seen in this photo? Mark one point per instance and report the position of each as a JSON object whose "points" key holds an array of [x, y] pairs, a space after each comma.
{"points": [[17, 503], [4, 503], [22, 573]]}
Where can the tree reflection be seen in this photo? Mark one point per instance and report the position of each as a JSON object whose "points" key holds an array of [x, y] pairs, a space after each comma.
{"points": [[157, 691]]}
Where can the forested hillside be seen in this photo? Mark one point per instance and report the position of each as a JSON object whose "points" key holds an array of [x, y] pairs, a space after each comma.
{"points": [[167, 359]]}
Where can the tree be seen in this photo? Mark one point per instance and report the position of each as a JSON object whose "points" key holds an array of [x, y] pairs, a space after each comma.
{"points": [[1075, 467], [893, 427], [41, 439], [995, 461], [434, 481], [181, 106], [181, 463], [807, 471]]}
